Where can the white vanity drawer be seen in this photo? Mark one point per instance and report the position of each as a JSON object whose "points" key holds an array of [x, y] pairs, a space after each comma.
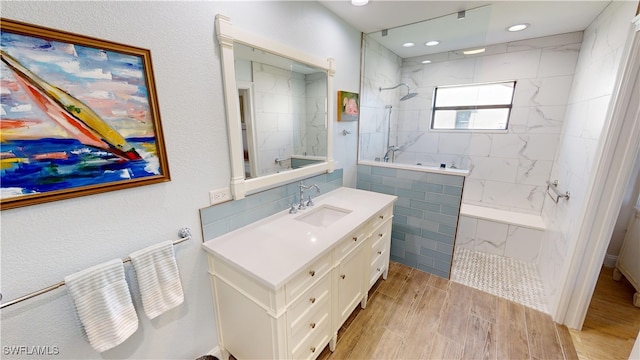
{"points": [[309, 325], [307, 277], [377, 268], [308, 321], [382, 216], [381, 235], [315, 298], [350, 242], [311, 346], [378, 250]]}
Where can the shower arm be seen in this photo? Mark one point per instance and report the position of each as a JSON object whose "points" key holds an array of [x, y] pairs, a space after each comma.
{"points": [[395, 87], [409, 94]]}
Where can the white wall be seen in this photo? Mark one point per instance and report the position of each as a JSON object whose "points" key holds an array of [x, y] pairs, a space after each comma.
{"points": [[43, 243], [624, 217], [594, 80]]}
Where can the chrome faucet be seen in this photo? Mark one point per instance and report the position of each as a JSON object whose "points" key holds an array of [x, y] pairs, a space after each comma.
{"points": [[392, 148], [304, 187]]}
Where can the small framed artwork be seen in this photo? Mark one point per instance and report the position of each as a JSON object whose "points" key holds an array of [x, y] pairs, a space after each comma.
{"points": [[348, 106], [79, 116]]}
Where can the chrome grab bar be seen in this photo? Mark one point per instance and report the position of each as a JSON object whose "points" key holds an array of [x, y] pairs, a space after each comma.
{"points": [[557, 194]]}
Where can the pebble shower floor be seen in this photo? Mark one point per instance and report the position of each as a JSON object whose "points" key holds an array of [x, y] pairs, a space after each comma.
{"points": [[501, 276]]}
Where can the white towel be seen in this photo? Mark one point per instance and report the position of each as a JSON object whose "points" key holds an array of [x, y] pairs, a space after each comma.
{"points": [[103, 303], [158, 278]]}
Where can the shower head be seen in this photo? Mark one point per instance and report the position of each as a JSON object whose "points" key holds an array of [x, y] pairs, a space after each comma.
{"points": [[409, 94]]}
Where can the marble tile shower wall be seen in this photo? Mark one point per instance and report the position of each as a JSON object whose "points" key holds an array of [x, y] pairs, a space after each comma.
{"points": [[382, 68], [594, 84], [290, 115], [491, 237], [279, 97], [223, 218], [508, 170], [311, 137], [425, 216]]}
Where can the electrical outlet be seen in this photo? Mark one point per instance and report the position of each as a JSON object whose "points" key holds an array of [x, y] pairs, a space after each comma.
{"points": [[220, 195]]}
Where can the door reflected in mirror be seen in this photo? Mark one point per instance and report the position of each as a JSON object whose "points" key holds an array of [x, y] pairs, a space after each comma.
{"points": [[283, 112]]}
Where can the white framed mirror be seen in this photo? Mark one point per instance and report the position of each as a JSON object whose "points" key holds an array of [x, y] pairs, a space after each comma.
{"points": [[279, 108]]}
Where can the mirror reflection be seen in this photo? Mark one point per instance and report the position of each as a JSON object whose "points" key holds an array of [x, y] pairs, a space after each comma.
{"points": [[283, 111]]}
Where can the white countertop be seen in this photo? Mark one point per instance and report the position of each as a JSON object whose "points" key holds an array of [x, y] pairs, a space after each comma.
{"points": [[273, 249]]}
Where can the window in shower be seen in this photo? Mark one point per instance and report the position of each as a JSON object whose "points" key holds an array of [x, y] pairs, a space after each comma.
{"points": [[472, 107]]}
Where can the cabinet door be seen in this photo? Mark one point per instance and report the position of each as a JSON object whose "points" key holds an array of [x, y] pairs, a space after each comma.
{"points": [[351, 279]]}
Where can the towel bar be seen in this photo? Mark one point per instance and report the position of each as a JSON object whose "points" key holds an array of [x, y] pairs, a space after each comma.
{"points": [[184, 233]]}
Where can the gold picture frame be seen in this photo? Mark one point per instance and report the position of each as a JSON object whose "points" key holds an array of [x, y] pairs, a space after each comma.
{"points": [[80, 116]]}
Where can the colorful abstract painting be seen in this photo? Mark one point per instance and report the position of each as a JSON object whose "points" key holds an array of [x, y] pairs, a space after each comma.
{"points": [[78, 116]]}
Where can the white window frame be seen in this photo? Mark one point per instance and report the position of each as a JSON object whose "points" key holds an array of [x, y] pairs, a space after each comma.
{"points": [[471, 107]]}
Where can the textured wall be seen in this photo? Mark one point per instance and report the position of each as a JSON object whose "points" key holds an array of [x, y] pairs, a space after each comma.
{"points": [[41, 244]]}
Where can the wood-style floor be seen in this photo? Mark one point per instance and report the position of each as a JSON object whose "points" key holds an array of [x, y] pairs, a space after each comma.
{"points": [[414, 315], [612, 322]]}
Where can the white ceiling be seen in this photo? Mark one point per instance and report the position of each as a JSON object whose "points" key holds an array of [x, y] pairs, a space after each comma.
{"points": [[484, 24]]}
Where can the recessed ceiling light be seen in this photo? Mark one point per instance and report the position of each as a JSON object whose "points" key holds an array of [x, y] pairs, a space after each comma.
{"points": [[474, 51], [517, 27], [408, 44], [432, 43], [426, 61], [359, 2]]}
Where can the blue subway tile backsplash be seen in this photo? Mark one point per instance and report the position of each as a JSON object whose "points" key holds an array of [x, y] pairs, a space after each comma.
{"points": [[225, 217], [425, 215]]}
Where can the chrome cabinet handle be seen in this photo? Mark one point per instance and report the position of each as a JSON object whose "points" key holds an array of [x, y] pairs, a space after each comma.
{"points": [[379, 252], [313, 349], [312, 273], [381, 216], [313, 325], [355, 238], [312, 300], [343, 276]]}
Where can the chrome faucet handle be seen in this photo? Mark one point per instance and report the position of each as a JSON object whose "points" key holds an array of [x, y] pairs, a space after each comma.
{"points": [[310, 202], [301, 206], [293, 209]]}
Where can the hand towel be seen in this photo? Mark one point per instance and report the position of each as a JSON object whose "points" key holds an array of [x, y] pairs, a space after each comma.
{"points": [[103, 303], [158, 278]]}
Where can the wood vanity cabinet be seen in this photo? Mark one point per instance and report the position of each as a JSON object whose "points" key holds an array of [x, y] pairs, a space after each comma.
{"points": [[299, 318]]}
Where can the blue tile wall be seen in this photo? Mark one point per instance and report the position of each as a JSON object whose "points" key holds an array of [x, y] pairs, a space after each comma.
{"points": [[223, 218], [425, 217]]}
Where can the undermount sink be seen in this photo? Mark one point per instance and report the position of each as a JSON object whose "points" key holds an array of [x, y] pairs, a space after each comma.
{"points": [[323, 215]]}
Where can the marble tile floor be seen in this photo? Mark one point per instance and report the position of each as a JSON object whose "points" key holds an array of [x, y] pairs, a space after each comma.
{"points": [[505, 277]]}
